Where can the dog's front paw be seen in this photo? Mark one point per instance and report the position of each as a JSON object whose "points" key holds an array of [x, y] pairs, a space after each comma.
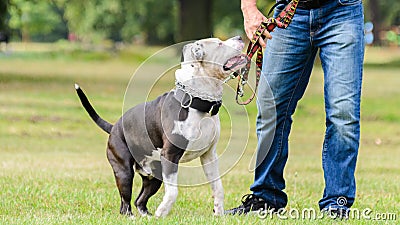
{"points": [[161, 212]]}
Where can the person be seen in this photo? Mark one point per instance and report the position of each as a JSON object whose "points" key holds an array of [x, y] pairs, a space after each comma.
{"points": [[335, 28]]}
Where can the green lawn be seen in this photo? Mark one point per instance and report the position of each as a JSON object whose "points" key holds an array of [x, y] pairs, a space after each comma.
{"points": [[53, 168]]}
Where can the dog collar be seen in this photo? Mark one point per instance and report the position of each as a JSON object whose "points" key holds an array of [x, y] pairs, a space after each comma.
{"points": [[195, 93], [187, 100]]}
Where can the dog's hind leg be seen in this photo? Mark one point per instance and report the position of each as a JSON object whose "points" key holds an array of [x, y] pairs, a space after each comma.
{"points": [[122, 162], [149, 187]]}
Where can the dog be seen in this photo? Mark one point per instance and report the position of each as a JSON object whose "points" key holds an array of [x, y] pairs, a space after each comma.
{"points": [[178, 126]]}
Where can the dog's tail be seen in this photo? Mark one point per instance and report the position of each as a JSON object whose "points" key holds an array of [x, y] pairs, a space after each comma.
{"points": [[106, 126]]}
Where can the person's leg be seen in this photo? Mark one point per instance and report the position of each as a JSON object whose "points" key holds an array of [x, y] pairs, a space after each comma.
{"points": [[288, 62], [341, 42]]}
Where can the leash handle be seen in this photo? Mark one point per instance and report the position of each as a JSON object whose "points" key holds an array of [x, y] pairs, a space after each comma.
{"points": [[282, 21]]}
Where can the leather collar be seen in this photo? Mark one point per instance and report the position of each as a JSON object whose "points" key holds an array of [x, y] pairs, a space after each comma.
{"points": [[188, 100]]}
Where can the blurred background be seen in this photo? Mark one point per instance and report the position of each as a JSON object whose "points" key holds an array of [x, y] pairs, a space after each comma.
{"points": [[154, 22]]}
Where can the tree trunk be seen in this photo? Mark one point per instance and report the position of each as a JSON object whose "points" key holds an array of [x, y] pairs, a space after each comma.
{"points": [[3, 15], [194, 19], [376, 19]]}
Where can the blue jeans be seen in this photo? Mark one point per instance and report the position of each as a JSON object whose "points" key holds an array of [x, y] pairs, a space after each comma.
{"points": [[336, 30]]}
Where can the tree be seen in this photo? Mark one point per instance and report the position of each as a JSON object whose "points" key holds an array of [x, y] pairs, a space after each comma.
{"points": [[28, 18], [153, 21], [157, 20], [194, 19], [376, 19], [383, 14], [3, 15], [122, 20]]}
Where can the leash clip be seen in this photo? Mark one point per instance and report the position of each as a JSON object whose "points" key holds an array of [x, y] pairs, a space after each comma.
{"points": [[240, 91], [230, 77]]}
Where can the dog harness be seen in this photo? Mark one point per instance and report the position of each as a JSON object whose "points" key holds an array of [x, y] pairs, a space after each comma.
{"points": [[282, 21]]}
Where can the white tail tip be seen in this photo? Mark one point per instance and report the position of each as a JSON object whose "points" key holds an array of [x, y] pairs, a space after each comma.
{"points": [[76, 86]]}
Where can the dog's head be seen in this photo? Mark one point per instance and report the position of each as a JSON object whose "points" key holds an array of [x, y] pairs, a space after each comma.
{"points": [[212, 57]]}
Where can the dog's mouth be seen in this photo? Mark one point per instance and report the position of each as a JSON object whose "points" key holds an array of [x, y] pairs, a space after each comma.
{"points": [[235, 63]]}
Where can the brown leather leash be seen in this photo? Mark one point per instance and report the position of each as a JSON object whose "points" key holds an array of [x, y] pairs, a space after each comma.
{"points": [[282, 21]]}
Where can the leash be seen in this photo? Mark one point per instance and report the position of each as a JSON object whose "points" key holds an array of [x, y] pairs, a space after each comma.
{"points": [[282, 21]]}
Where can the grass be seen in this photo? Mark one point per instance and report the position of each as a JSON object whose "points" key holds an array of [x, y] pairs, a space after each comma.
{"points": [[53, 164]]}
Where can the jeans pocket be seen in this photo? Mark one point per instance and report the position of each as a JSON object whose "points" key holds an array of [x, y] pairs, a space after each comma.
{"points": [[349, 2]]}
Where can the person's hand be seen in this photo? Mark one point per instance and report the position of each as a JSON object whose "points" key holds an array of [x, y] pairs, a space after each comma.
{"points": [[252, 20]]}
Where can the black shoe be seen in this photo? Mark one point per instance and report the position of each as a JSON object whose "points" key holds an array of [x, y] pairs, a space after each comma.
{"points": [[250, 203]]}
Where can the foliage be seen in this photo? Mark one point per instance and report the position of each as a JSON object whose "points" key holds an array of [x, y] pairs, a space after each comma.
{"points": [[150, 21], [28, 18], [389, 9], [3, 14]]}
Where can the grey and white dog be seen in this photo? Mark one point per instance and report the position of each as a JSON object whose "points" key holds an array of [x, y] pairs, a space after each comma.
{"points": [[178, 126]]}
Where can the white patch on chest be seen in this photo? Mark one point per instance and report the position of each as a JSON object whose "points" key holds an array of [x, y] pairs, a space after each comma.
{"points": [[200, 130]]}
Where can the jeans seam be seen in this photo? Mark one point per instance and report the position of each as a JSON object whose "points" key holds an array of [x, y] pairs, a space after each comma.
{"points": [[287, 110], [279, 153], [326, 139], [273, 195]]}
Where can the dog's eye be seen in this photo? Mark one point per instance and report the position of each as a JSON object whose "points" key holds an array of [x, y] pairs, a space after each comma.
{"points": [[220, 44]]}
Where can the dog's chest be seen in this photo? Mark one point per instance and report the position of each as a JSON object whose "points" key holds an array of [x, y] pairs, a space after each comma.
{"points": [[200, 130]]}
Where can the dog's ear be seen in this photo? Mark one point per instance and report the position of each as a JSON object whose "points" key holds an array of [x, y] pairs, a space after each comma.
{"points": [[197, 51]]}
